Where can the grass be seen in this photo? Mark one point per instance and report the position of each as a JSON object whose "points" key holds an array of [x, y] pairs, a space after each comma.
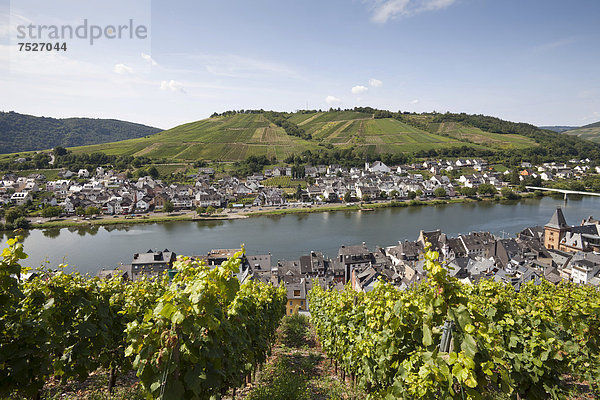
{"points": [[93, 388], [298, 370]]}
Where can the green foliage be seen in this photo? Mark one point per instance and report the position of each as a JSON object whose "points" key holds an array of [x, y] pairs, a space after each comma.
{"points": [[168, 207], [518, 342], [21, 132], [205, 333], [440, 192], [468, 191], [52, 211], [12, 214], [508, 193], [203, 330], [294, 330], [92, 210], [24, 350], [486, 189]]}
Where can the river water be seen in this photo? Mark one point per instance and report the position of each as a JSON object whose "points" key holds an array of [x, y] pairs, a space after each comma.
{"points": [[289, 236]]}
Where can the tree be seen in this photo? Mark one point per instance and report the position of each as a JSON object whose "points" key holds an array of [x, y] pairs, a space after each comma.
{"points": [[298, 193], [468, 191], [509, 194], [12, 214], [210, 210], [366, 197], [80, 210], [92, 210], [394, 194], [486, 189], [168, 207], [51, 211], [22, 223], [419, 192], [153, 172], [440, 192], [202, 210], [412, 195], [59, 151], [348, 197]]}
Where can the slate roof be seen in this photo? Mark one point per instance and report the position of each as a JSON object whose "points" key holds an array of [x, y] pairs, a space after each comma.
{"points": [[558, 220]]}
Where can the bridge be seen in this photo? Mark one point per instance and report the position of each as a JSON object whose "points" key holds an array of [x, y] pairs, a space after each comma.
{"points": [[565, 191]]}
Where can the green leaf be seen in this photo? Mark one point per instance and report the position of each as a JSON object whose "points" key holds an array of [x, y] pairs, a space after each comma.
{"points": [[469, 346], [427, 340]]}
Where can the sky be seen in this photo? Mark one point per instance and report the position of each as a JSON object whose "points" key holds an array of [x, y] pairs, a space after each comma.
{"points": [[533, 61]]}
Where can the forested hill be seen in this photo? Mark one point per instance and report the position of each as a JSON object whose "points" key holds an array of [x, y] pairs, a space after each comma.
{"points": [[22, 132]]}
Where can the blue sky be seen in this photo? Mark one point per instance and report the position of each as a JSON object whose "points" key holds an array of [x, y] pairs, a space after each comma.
{"points": [[535, 61]]}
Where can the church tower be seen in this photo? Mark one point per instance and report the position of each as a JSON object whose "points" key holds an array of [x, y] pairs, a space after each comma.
{"points": [[555, 230]]}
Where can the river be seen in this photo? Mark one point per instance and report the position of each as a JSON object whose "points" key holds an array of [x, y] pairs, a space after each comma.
{"points": [[289, 236]]}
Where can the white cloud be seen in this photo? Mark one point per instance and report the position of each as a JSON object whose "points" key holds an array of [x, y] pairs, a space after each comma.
{"points": [[235, 66], [359, 89], [384, 10], [173, 86], [375, 82], [149, 58], [332, 99], [9, 23], [415, 101], [122, 69], [547, 47]]}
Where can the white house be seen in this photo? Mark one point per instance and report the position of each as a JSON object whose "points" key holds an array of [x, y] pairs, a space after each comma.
{"points": [[377, 166], [20, 198]]}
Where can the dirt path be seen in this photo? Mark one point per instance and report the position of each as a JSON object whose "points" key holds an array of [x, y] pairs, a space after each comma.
{"points": [[298, 369]]}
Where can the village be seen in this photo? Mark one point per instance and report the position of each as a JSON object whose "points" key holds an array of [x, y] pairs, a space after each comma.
{"points": [[556, 252], [106, 192]]}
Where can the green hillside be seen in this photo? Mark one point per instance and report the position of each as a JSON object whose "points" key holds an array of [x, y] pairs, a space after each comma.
{"points": [[235, 136], [21, 132], [589, 132]]}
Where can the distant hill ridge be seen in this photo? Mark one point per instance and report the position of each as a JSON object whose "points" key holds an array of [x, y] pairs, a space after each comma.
{"points": [[236, 135], [558, 128], [589, 132], [22, 132]]}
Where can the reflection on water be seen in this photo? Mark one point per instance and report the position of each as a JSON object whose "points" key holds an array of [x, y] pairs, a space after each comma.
{"points": [[289, 236], [51, 232]]}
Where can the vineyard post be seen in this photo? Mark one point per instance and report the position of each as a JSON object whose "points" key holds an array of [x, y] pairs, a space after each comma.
{"points": [[112, 378]]}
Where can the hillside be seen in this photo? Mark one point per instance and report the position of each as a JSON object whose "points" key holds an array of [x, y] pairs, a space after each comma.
{"points": [[21, 132], [559, 128], [589, 132], [235, 136]]}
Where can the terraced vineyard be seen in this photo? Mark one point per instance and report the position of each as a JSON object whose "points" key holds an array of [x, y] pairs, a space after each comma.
{"points": [[589, 132], [235, 137]]}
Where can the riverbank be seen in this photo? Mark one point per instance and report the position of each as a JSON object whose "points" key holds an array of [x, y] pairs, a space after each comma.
{"points": [[257, 212]]}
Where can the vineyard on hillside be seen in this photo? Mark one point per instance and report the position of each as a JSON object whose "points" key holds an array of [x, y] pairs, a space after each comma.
{"points": [[190, 338], [446, 340]]}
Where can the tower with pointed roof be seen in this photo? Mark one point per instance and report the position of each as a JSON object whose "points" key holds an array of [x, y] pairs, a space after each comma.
{"points": [[555, 230]]}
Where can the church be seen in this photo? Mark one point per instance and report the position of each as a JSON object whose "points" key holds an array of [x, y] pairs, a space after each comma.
{"points": [[558, 235]]}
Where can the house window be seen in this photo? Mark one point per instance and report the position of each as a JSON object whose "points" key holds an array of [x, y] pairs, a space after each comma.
{"points": [[301, 302], [291, 303], [296, 293]]}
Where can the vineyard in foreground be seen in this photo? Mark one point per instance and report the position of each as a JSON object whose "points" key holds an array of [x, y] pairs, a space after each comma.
{"points": [[202, 333], [193, 337], [446, 340]]}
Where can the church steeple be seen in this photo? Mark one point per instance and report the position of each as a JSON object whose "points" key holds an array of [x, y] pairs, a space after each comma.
{"points": [[555, 230], [558, 220]]}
